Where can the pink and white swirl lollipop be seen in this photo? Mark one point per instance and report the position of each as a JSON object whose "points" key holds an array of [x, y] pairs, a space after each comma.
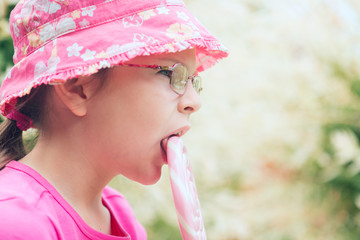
{"points": [[184, 191]]}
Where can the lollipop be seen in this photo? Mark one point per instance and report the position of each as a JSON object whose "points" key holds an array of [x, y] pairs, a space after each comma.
{"points": [[184, 191]]}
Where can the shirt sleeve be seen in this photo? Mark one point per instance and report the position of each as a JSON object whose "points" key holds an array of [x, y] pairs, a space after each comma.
{"points": [[21, 221]]}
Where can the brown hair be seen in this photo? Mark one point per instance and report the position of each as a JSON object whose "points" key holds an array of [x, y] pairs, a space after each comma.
{"points": [[11, 139]]}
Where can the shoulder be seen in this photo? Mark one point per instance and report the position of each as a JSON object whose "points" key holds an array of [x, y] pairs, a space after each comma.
{"points": [[18, 180], [19, 191], [21, 220], [22, 211]]}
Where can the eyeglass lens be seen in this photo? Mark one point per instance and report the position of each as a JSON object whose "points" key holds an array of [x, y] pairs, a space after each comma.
{"points": [[179, 79]]}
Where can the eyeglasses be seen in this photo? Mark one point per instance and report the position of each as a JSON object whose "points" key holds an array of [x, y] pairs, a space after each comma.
{"points": [[178, 75]]}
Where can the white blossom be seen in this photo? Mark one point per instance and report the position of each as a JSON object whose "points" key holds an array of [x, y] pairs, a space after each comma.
{"points": [[89, 11], [88, 55], [74, 50], [84, 23], [182, 15], [162, 10], [16, 29]]}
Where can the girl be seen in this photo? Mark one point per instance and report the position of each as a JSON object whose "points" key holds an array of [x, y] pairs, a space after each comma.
{"points": [[105, 83]]}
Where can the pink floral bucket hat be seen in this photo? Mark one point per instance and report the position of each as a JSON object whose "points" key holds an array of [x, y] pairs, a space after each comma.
{"points": [[57, 40]]}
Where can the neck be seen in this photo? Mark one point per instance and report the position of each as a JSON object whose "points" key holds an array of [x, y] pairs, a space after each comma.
{"points": [[71, 168]]}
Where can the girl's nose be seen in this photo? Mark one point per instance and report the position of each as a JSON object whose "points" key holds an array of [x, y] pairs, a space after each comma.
{"points": [[190, 102]]}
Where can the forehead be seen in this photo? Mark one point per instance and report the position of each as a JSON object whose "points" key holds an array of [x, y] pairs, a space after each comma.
{"points": [[186, 57]]}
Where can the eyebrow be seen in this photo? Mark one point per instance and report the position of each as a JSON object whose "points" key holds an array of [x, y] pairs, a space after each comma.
{"points": [[174, 60]]}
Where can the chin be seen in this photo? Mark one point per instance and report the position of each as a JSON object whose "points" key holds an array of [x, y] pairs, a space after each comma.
{"points": [[149, 182], [150, 178]]}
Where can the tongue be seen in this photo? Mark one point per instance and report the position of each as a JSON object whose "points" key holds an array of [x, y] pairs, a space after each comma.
{"points": [[184, 191]]}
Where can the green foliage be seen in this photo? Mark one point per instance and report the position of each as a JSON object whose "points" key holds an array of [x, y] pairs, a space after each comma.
{"points": [[161, 229], [338, 179], [355, 87], [6, 44], [6, 52], [8, 10]]}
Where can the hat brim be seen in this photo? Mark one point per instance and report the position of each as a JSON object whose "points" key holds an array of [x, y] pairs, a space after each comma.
{"points": [[86, 51]]}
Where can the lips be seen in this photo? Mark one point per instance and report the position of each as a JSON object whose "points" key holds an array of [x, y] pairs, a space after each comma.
{"points": [[178, 133]]}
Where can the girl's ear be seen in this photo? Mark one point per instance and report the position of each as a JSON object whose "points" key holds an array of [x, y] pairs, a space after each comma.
{"points": [[74, 94]]}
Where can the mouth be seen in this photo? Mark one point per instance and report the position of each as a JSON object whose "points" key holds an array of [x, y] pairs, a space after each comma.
{"points": [[178, 133]]}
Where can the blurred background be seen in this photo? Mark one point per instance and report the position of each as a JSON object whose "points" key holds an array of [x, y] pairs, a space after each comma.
{"points": [[275, 148]]}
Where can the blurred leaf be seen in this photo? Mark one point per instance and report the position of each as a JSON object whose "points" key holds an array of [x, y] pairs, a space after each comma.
{"points": [[10, 7], [355, 88], [6, 43], [6, 53], [161, 229]]}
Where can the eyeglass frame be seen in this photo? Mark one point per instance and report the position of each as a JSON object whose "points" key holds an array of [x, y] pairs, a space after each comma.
{"points": [[158, 67]]}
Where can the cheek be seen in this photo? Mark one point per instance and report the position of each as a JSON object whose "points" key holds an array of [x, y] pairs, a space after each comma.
{"points": [[134, 112], [133, 118], [145, 106]]}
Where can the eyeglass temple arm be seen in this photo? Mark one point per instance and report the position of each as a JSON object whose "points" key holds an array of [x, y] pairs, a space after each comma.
{"points": [[155, 67]]}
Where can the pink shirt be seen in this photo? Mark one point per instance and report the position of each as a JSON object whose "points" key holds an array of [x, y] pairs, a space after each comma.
{"points": [[31, 208]]}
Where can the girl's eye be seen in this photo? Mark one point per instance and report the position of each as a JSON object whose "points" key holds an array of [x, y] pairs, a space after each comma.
{"points": [[166, 73]]}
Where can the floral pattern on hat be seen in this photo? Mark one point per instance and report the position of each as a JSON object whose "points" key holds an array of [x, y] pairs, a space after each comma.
{"points": [[133, 21]]}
